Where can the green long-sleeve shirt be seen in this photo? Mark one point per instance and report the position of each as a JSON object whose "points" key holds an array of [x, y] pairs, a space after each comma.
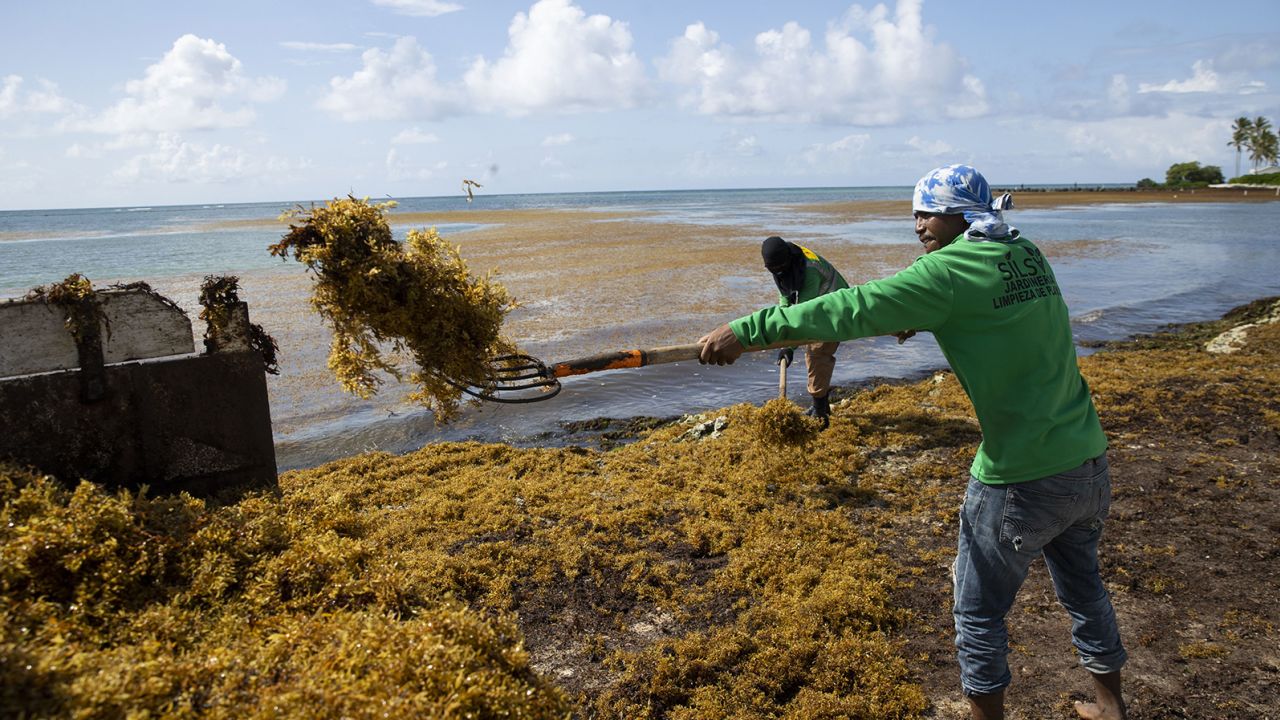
{"points": [[998, 315]]}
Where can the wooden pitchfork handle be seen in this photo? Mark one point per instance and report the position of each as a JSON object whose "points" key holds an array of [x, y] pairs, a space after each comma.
{"points": [[512, 377], [640, 358], [782, 378]]}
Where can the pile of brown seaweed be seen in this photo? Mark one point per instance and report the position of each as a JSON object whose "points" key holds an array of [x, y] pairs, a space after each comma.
{"points": [[659, 579], [129, 606], [417, 297], [782, 422]]}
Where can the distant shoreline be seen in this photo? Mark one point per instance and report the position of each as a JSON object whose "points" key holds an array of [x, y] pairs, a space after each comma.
{"points": [[1035, 197], [1024, 197]]}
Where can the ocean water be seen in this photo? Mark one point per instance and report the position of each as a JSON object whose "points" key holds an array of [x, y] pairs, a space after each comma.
{"points": [[1145, 266]]}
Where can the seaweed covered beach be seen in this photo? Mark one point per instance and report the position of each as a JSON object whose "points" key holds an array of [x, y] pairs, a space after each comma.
{"points": [[725, 565]]}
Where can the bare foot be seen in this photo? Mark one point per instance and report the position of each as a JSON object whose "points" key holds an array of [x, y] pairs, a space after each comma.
{"points": [[1096, 711], [1110, 704]]}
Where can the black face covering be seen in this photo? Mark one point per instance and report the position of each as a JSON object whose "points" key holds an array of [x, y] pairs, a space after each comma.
{"points": [[786, 262]]}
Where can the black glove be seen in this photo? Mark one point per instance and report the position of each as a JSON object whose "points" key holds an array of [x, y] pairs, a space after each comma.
{"points": [[786, 356], [821, 410]]}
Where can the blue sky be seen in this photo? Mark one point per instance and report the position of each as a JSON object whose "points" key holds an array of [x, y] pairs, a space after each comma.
{"points": [[147, 102]]}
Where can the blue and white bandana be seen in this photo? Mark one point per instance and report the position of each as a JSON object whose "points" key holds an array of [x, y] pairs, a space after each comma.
{"points": [[961, 189]]}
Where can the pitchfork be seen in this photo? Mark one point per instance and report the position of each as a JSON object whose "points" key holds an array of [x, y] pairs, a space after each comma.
{"points": [[512, 375]]}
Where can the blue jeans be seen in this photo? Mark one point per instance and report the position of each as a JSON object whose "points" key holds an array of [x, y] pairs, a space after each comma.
{"points": [[1005, 527]]}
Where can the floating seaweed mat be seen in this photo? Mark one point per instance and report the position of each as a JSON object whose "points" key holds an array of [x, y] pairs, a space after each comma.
{"points": [[416, 297]]}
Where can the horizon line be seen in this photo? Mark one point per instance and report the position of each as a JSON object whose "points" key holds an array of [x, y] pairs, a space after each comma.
{"points": [[138, 207]]}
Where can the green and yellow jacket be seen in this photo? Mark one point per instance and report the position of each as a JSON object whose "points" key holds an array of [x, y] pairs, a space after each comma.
{"points": [[820, 278]]}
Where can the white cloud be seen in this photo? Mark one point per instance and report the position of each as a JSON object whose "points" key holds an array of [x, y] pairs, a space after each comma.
{"points": [[701, 164], [899, 73], [558, 58], [932, 148], [187, 90], [169, 159], [1203, 79], [78, 151], [1118, 94], [733, 154], [1206, 77], [414, 136], [1101, 99], [421, 8], [748, 146], [1150, 142], [173, 160], [401, 167], [392, 85], [15, 100], [130, 141], [553, 140], [318, 47], [837, 156]]}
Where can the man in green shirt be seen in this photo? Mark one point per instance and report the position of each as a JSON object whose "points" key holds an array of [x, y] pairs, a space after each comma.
{"points": [[1040, 484], [801, 275]]}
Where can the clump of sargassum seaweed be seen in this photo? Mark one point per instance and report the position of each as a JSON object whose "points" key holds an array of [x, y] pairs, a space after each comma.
{"points": [[76, 297], [782, 422], [417, 297], [218, 294]]}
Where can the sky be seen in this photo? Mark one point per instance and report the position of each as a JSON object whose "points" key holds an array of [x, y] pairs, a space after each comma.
{"points": [[149, 102]]}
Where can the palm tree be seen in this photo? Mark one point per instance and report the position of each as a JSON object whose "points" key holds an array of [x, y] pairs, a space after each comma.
{"points": [[1240, 133], [1270, 149], [1261, 141]]}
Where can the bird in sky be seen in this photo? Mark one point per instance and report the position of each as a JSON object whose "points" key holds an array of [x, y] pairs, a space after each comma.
{"points": [[467, 185]]}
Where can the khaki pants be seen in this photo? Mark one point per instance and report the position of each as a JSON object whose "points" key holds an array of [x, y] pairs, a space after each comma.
{"points": [[820, 361]]}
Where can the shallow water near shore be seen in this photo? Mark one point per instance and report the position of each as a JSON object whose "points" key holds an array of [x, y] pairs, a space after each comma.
{"points": [[653, 269]]}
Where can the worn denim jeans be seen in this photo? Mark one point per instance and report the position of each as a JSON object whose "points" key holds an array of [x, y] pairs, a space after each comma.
{"points": [[1005, 527]]}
